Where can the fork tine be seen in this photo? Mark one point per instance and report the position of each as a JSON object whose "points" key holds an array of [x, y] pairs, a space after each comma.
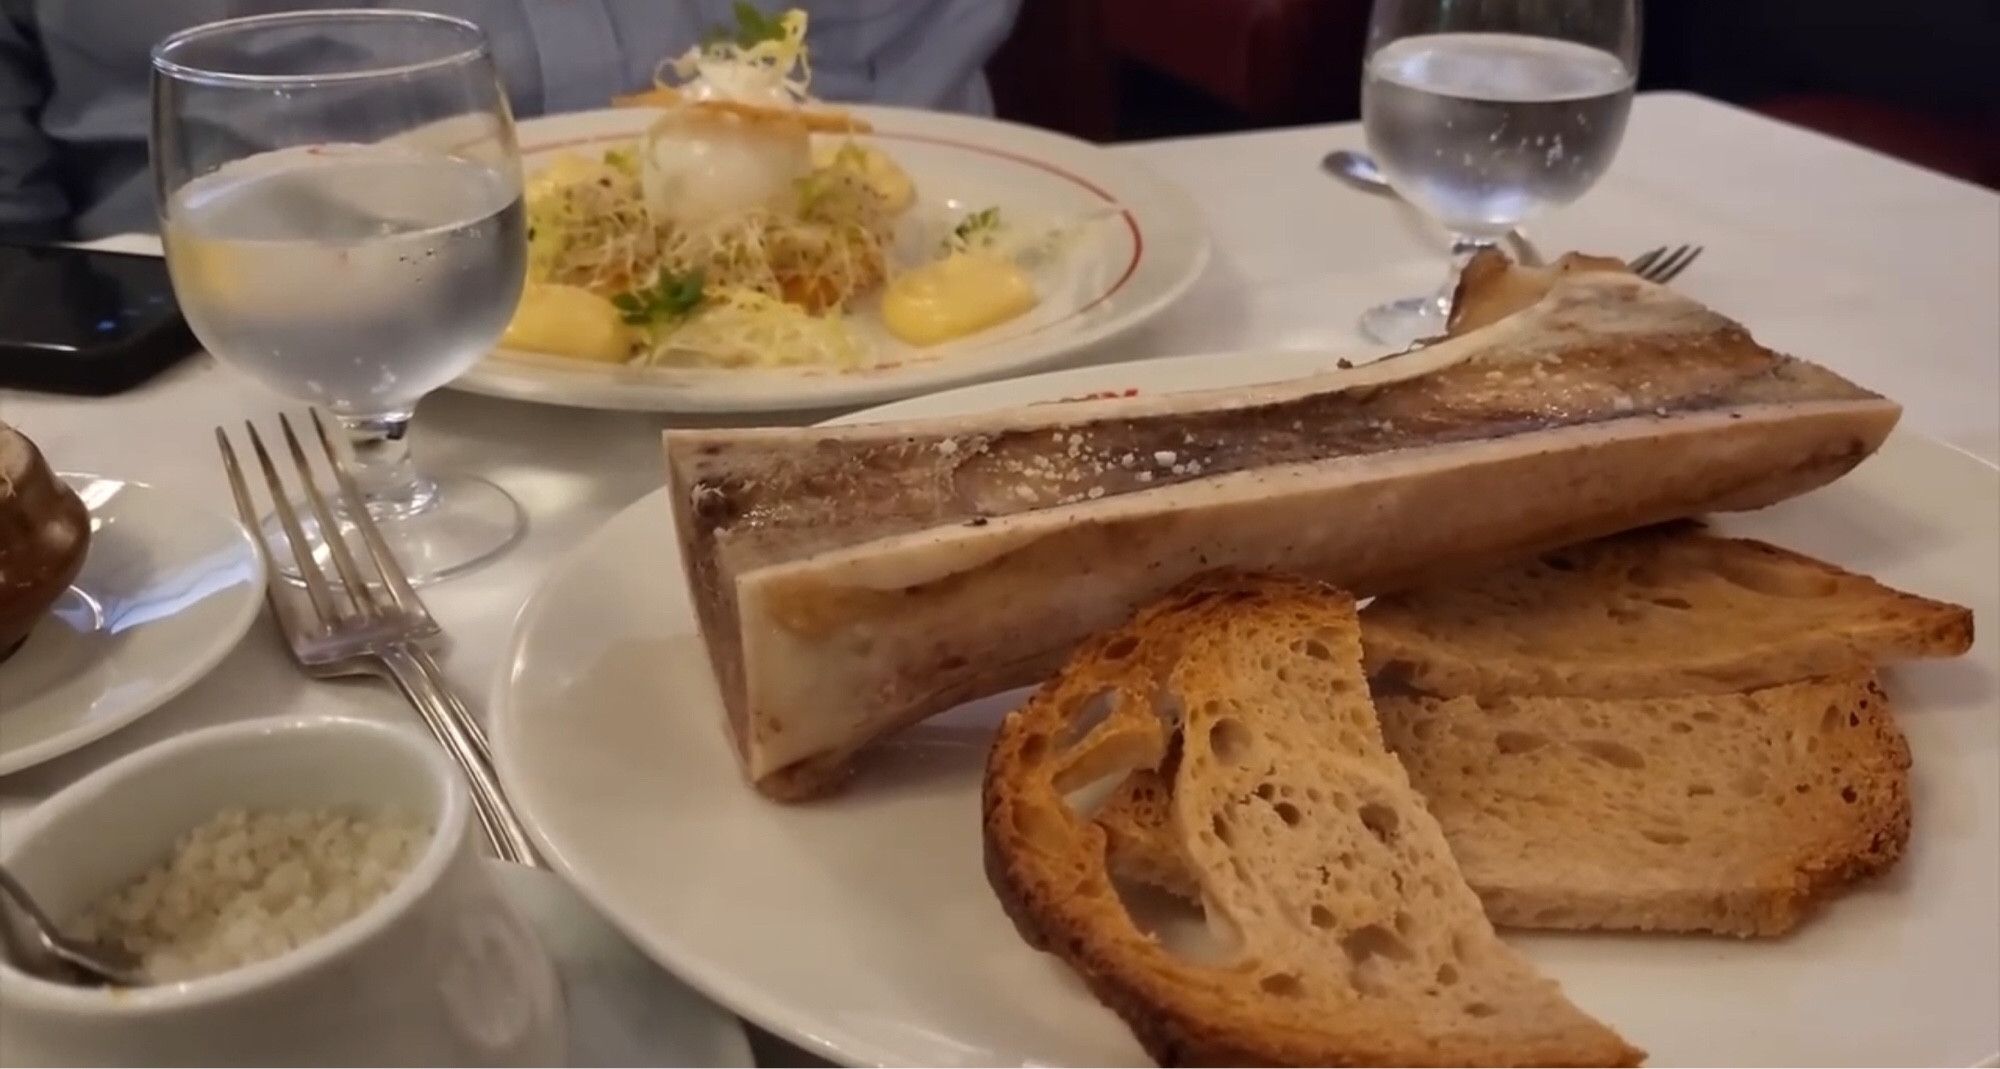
{"points": [[295, 537], [400, 591], [344, 564], [246, 509], [1674, 264], [1643, 262]]}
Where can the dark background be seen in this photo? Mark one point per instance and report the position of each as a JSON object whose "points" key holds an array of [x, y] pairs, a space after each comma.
{"points": [[1917, 79]]}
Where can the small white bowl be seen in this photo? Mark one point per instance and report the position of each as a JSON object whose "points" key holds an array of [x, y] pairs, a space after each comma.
{"points": [[441, 970]]}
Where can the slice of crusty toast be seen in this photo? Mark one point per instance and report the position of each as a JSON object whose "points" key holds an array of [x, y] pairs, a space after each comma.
{"points": [[1542, 847], [1356, 940], [1666, 610], [1734, 814]]}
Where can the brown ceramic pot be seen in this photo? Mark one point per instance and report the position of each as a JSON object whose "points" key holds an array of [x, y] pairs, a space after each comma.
{"points": [[44, 534]]}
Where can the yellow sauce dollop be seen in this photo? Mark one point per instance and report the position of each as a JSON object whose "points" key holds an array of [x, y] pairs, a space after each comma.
{"points": [[964, 293]]}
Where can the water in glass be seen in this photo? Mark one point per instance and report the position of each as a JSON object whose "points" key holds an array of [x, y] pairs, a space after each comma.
{"points": [[1484, 130], [355, 277]]}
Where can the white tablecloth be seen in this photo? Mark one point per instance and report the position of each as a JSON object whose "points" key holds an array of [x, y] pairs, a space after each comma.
{"points": [[1885, 273]]}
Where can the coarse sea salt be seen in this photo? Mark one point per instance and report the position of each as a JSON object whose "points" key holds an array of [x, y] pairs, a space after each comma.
{"points": [[249, 885]]}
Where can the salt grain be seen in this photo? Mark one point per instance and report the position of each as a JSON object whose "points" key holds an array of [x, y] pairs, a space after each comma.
{"points": [[247, 886]]}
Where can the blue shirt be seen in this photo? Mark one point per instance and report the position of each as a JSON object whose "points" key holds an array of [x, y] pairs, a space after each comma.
{"points": [[74, 76]]}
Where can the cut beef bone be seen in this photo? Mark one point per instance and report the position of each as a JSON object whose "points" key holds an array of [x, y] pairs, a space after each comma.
{"points": [[851, 581]]}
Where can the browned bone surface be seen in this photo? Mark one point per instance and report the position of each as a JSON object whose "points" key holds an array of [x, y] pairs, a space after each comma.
{"points": [[44, 534], [853, 580]]}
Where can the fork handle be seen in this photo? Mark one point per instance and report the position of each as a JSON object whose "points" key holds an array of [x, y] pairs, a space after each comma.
{"points": [[448, 721], [460, 715]]}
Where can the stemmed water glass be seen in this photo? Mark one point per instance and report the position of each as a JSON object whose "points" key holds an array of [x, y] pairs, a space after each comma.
{"points": [[1483, 113], [340, 202]]}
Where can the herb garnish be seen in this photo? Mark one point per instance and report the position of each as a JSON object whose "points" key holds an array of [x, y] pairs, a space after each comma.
{"points": [[753, 27], [975, 230], [669, 299]]}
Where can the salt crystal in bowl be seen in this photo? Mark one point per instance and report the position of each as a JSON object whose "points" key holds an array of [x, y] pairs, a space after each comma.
{"points": [[303, 891]]}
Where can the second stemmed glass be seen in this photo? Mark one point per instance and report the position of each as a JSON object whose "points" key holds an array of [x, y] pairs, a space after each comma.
{"points": [[1483, 113], [340, 202]]}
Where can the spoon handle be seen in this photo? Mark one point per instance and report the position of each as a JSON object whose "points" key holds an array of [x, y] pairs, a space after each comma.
{"points": [[32, 941]]}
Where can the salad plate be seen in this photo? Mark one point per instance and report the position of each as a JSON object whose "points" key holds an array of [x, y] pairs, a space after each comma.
{"points": [[1123, 244]]}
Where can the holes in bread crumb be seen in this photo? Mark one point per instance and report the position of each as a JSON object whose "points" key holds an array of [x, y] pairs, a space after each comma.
{"points": [[1699, 790], [1321, 917], [1374, 941], [1120, 648], [1615, 754], [1447, 974], [1665, 837], [1381, 821], [1034, 749], [1094, 711], [1849, 795], [1480, 1009], [1283, 985], [1424, 729], [1516, 742], [1672, 603], [1681, 727], [1231, 740], [1829, 720], [1314, 648], [1628, 612], [1224, 832], [1288, 813], [1751, 783]]}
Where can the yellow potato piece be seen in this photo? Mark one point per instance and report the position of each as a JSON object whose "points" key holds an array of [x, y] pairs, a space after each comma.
{"points": [[879, 169], [962, 294], [568, 321]]}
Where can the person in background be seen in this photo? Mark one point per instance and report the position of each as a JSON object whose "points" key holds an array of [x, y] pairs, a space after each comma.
{"points": [[74, 77]]}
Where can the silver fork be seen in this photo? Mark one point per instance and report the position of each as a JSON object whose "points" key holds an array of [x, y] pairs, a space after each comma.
{"points": [[354, 624], [1663, 264]]}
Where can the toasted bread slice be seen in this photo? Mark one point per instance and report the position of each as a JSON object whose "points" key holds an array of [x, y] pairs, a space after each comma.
{"points": [[1734, 814], [1357, 941], [1667, 610]]}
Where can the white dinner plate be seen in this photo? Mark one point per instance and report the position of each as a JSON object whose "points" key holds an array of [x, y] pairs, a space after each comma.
{"points": [[1146, 247], [166, 591], [623, 1009], [863, 927]]}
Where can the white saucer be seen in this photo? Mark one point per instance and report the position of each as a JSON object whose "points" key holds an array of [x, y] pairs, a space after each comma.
{"points": [[167, 590], [623, 1009]]}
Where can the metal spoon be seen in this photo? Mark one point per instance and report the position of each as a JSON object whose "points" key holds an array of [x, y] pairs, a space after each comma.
{"points": [[34, 943], [1358, 169]]}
